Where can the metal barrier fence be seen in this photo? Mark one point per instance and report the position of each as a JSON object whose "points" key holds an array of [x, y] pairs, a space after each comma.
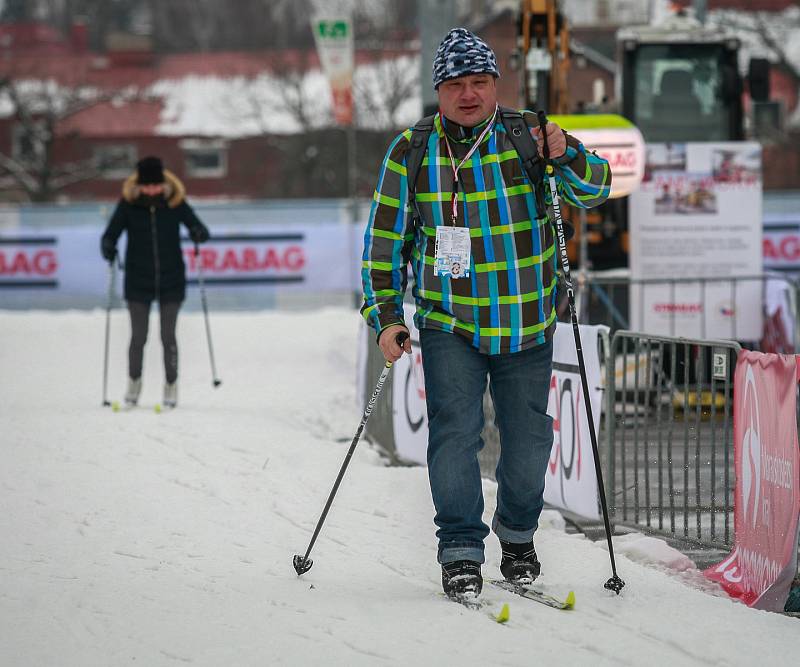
{"points": [[609, 299], [668, 433]]}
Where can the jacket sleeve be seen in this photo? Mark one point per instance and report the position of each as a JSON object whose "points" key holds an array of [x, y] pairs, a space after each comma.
{"points": [[116, 225], [584, 178], [388, 240], [189, 218]]}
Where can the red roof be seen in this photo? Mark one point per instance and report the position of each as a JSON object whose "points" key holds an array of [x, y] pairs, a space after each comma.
{"points": [[103, 71], [109, 121], [108, 72], [17, 37]]}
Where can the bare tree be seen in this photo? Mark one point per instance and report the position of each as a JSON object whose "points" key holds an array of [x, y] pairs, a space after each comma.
{"points": [[381, 90], [214, 25], [209, 25], [281, 89], [769, 33], [38, 109]]}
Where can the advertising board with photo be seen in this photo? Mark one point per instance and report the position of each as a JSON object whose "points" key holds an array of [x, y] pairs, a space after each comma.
{"points": [[697, 215]]}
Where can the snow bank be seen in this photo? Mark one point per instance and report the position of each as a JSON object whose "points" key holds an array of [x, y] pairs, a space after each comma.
{"points": [[164, 539], [651, 551]]}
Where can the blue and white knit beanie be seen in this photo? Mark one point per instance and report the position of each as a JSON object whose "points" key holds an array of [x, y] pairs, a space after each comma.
{"points": [[460, 53]]}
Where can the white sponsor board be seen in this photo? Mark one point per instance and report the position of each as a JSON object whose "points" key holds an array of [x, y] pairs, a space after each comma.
{"points": [[409, 410], [570, 482], [697, 214], [65, 262]]}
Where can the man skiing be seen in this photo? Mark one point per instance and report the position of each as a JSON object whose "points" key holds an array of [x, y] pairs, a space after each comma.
{"points": [[475, 227]]}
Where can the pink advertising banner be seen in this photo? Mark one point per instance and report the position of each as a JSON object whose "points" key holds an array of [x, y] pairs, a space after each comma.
{"points": [[763, 563]]}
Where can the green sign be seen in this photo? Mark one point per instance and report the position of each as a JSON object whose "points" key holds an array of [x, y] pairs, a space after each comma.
{"points": [[332, 29]]}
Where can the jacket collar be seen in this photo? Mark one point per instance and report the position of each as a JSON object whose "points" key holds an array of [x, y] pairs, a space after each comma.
{"points": [[174, 190], [460, 133]]}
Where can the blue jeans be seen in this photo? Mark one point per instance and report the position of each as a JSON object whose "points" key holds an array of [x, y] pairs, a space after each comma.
{"points": [[455, 382]]}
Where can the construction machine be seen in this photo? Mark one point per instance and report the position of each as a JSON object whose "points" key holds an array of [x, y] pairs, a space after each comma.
{"points": [[679, 81], [544, 49], [676, 81], [543, 41]]}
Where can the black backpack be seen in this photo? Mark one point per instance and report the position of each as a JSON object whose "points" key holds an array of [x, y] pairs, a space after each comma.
{"points": [[519, 133]]}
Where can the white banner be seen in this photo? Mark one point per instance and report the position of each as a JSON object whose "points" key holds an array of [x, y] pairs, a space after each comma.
{"points": [[333, 34], [64, 263], [409, 409], [698, 214], [570, 481]]}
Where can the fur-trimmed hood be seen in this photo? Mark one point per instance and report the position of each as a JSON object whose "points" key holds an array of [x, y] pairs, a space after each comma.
{"points": [[174, 189]]}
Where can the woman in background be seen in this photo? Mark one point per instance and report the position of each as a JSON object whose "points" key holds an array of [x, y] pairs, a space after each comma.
{"points": [[152, 207]]}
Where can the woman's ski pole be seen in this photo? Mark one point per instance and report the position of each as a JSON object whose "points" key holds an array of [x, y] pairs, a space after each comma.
{"points": [[302, 564], [111, 280], [614, 583], [215, 380]]}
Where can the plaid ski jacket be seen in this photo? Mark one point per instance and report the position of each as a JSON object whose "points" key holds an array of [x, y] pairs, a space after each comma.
{"points": [[507, 303]]}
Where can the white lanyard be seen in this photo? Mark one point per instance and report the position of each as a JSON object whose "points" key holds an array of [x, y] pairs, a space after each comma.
{"points": [[481, 137]]}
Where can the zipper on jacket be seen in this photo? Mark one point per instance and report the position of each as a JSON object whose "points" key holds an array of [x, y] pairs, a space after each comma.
{"points": [[156, 262]]}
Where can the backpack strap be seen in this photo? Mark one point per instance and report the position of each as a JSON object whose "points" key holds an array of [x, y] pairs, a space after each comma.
{"points": [[418, 145], [518, 132], [520, 135]]}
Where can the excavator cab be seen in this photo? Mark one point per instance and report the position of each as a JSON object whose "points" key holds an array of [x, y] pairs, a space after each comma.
{"points": [[680, 82]]}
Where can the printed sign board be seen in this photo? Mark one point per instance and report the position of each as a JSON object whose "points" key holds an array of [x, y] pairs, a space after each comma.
{"points": [[697, 214], [63, 264]]}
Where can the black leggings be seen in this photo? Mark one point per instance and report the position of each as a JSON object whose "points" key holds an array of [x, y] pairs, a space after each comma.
{"points": [[140, 318]]}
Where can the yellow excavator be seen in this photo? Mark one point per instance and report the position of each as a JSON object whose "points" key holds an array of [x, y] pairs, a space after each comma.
{"points": [[677, 81], [544, 55]]}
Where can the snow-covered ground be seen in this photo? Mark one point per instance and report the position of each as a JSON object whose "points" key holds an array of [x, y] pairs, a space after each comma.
{"points": [[166, 539]]}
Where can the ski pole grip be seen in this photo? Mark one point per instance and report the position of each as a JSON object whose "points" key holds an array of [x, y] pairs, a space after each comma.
{"points": [[401, 338], [543, 129]]}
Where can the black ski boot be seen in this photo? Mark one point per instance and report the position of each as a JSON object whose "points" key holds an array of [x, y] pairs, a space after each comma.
{"points": [[519, 564], [462, 579]]}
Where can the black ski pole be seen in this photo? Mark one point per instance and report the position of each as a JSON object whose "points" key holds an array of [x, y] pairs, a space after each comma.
{"points": [[614, 583], [111, 276], [216, 381], [302, 564]]}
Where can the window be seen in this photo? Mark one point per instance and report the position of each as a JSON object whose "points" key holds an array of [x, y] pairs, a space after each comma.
{"points": [[679, 93], [205, 159], [115, 160]]}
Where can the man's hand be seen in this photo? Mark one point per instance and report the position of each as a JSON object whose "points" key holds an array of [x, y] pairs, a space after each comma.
{"points": [[388, 342], [556, 140]]}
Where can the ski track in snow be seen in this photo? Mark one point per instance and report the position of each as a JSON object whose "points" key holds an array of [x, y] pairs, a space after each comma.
{"points": [[166, 539]]}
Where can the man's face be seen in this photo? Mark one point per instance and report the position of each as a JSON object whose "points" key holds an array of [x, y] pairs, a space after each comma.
{"points": [[469, 99]]}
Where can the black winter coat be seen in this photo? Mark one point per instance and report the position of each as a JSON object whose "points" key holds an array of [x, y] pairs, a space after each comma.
{"points": [[154, 267]]}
